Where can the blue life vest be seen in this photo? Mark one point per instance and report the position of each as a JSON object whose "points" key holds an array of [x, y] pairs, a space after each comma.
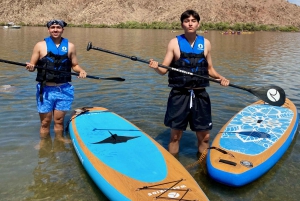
{"points": [[56, 59], [192, 59]]}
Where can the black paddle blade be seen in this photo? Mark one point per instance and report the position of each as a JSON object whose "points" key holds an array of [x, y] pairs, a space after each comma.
{"points": [[89, 46], [271, 94]]}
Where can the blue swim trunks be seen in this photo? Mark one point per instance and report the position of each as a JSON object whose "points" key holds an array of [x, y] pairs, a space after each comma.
{"points": [[55, 98]]}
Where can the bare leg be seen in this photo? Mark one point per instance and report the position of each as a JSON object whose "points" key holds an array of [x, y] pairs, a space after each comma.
{"points": [[203, 140], [46, 119], [59, 117], [174, 141]]}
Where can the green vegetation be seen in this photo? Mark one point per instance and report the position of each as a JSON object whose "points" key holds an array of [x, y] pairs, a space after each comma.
{"points": [[221, 26], [133, 25], [224, 26]]}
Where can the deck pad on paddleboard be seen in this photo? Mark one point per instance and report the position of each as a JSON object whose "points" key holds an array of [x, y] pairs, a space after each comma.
{"points": [[258, 127], [252, 142], [126, 163]]}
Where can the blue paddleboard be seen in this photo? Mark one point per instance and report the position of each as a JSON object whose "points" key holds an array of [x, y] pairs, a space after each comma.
{"points": [[125, 163], [252, 142]]}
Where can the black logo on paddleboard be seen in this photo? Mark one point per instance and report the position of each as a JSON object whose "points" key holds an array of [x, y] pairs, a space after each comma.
{"points": [[115, 139]]}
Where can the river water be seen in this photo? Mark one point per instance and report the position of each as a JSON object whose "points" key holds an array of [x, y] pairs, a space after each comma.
{"points": [[55, 173]]}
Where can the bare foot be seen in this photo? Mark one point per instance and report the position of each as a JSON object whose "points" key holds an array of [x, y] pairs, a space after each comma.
{"points": [[44, 147], [59, 136], [62, 139], [59, 144], [44, 143]]}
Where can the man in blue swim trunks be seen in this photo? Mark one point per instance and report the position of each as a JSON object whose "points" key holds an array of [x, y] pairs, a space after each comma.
{"points": [[188, 101], [54, 93]]}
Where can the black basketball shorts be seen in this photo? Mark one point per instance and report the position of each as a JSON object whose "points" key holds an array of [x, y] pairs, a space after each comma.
{"points": [[186, 107]]}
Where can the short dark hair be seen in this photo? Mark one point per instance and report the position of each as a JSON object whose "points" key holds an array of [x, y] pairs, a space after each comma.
{"points": [[188, 13]]}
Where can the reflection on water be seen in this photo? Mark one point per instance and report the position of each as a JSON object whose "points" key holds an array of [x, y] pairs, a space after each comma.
{"points": [[47, 173], [55, 173]]}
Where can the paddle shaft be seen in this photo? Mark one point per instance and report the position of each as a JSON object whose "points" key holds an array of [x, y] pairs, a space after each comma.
{"points": [[72, 73], [273, 95], [134, 58]]}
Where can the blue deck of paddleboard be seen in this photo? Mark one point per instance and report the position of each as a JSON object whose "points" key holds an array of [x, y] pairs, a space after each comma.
{"points": [[255, 129], [247, 134], [137, 158]]}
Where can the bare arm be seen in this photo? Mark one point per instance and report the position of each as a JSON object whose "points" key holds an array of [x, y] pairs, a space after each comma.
{"points": [[34, 57], [75, 65], [167, 60], [211, 70]]}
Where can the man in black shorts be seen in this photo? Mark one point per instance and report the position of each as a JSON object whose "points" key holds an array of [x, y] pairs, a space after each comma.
{"points": [[188, 101]]}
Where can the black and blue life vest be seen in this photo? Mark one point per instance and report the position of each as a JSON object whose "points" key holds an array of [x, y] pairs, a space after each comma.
{"points": [[192, 59], [56, 59]]}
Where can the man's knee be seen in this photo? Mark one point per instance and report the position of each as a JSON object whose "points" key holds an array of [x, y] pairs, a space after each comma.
{"points": [[203, 136], [176, 135], [45, 123], [59, 117], [206, 138], [59, 120]]}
